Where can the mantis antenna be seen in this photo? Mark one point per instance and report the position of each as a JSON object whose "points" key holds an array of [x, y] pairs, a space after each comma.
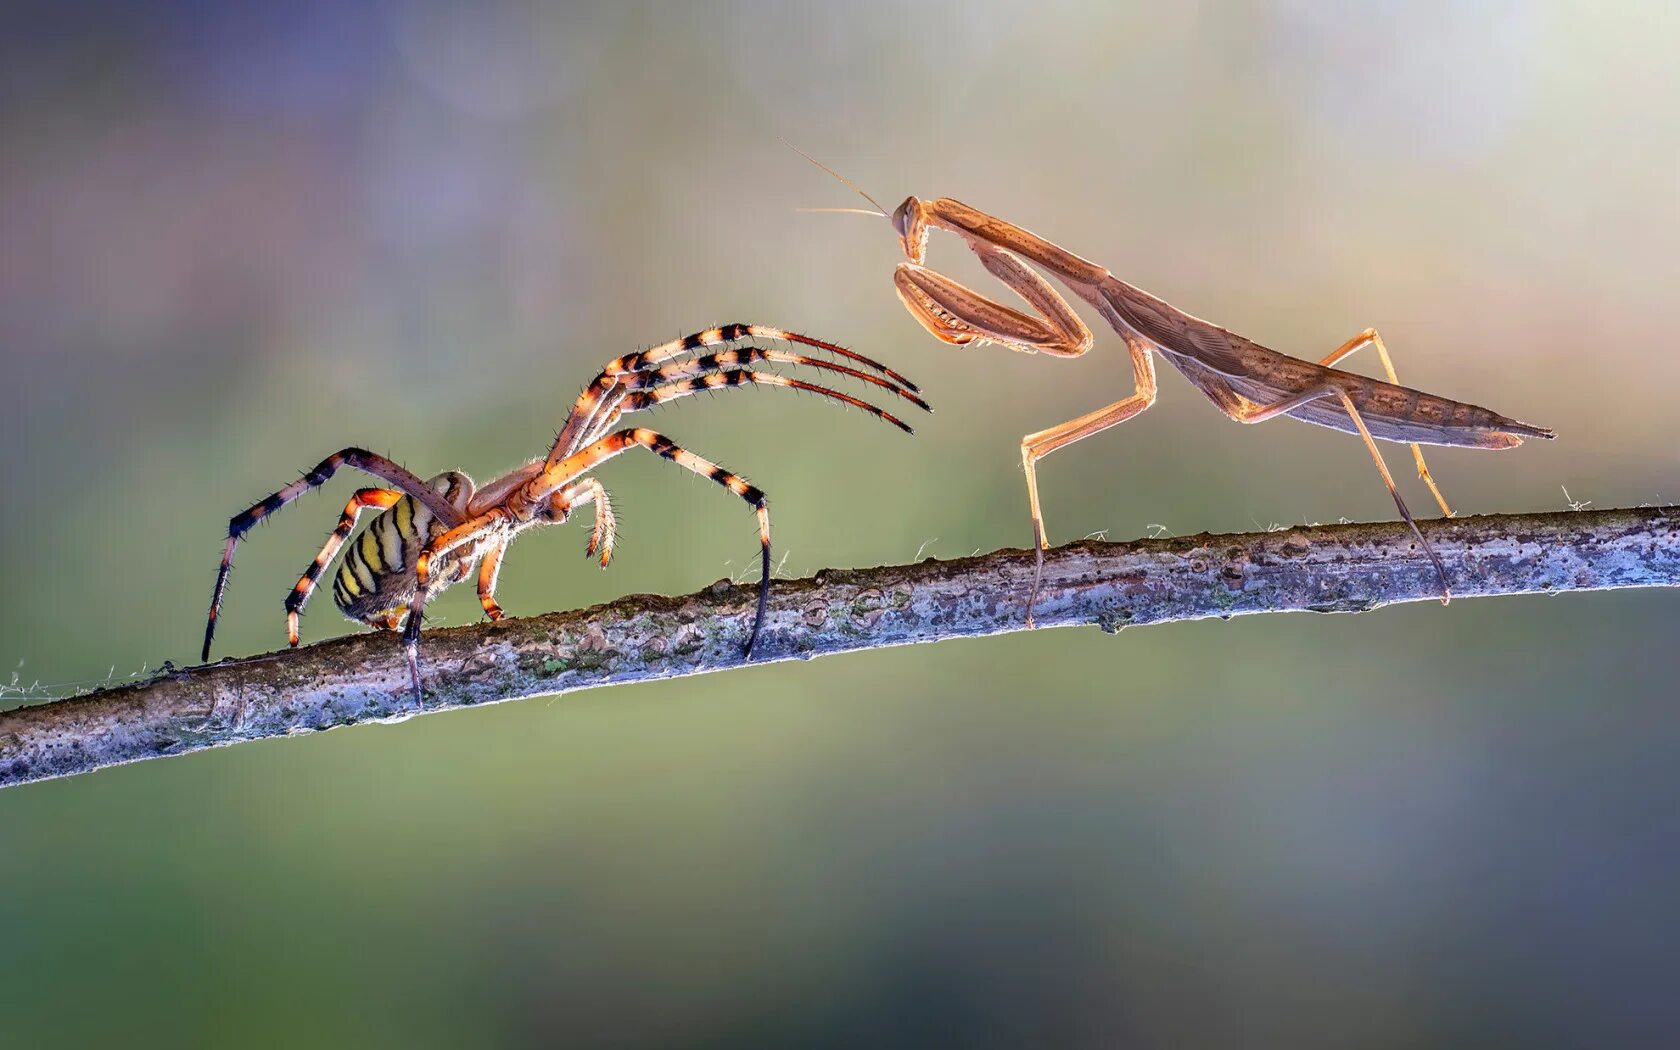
{"points": [[845, 211], [880, 211]]}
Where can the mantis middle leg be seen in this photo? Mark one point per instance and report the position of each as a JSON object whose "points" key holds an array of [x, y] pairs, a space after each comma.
{"points": [[1035, 447]]}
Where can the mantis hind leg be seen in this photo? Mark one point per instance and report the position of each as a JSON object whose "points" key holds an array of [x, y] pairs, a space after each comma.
{"points": [[1261, 413], [1388, 479], [1369, 337]]}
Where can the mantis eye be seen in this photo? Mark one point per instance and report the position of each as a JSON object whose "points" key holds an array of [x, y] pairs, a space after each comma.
{"points": [[901, 216], [910, 220]]}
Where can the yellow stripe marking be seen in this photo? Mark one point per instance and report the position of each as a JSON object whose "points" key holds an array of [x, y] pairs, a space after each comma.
{"points": [[347, 577], [364, 572], [390, 542], [368, 546]]}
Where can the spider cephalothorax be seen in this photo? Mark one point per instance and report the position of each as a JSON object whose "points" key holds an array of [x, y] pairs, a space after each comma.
{"points": [[430, 534]]}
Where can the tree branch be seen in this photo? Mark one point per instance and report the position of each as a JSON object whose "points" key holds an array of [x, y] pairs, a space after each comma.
{"points": [[362, 678]]}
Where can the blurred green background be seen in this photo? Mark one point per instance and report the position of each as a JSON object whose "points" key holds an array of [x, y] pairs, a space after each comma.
{"points": [[234, 238]]}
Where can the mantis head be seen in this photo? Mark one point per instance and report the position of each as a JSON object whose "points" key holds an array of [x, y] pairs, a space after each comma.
{"points": [[910, 219]]}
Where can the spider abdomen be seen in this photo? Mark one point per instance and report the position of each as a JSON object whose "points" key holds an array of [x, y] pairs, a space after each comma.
{"points": [[376, 581]]}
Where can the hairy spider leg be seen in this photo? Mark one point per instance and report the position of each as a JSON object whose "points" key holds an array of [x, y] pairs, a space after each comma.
{"points": [[381, 467], [704, 372], [586, 409], [299, 596]]}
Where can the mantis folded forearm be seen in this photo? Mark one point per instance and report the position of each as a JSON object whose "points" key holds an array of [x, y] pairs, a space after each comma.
{"points": [[1248, 382]]}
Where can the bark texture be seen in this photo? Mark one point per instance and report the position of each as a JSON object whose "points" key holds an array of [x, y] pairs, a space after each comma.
{"points": [[362, 678]]}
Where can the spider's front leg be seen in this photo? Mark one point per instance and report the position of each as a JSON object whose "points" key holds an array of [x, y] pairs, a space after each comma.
{"points": [[557, 474]]}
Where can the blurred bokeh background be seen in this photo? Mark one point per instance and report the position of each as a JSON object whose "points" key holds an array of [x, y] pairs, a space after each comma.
{"points": [[234, 238]]}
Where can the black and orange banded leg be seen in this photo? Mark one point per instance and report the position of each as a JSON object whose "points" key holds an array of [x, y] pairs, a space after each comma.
{"points": [[623, 398], [381, 467], [735, 377], [364, 498], [586, 459], [729, 333], [597, 398], [746, 356], [605, 404]]}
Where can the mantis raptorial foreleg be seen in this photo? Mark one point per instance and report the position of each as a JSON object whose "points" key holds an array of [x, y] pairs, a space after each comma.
{"points": [[1369, 337], [936, 301]]}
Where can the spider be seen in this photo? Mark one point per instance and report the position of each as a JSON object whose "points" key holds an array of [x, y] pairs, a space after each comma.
{"points": [[430, 533]]}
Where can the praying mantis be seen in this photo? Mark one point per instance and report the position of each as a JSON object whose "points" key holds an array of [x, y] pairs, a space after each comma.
{"points": [[1248, 382]]}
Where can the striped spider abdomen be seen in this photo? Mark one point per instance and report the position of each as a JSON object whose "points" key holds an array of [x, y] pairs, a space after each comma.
{"points": [[375, 582]]}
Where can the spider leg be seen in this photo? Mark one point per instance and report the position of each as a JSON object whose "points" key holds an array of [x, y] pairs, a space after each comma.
{"points": [[587, 410], [488, 570], [364, 498], [496, 519], [561, 504], [585, 460], [643, 399], [715, 371], [730, 333], [747, 356], [381, 467]]}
